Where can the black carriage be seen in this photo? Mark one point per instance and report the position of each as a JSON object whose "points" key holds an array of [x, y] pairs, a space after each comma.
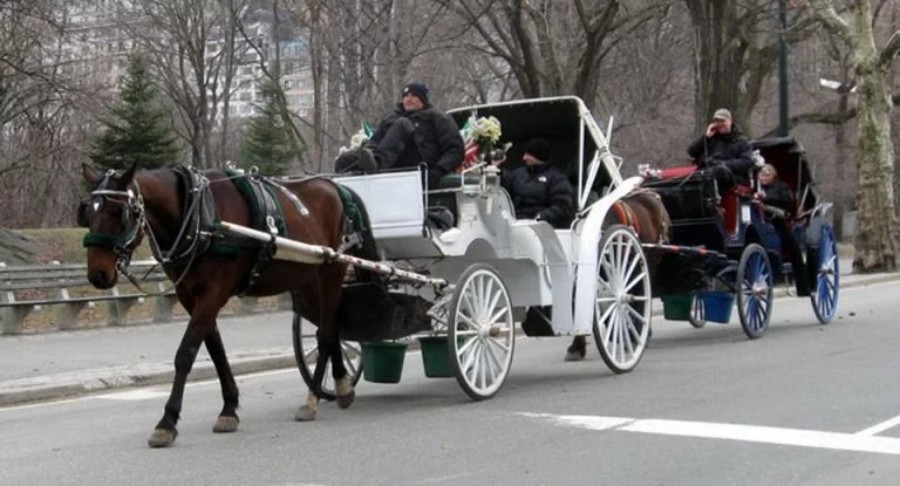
{"points": [[725, 245]]}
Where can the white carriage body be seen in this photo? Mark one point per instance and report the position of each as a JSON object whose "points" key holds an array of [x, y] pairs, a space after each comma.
{"points": [[540, 265]]}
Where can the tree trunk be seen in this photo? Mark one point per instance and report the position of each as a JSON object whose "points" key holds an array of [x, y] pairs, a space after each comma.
{"points": [[876, 238], [716, 58], [876, 244]]}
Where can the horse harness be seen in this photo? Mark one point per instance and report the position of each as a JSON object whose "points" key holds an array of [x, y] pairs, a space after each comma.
{"points": [[198, 233]]}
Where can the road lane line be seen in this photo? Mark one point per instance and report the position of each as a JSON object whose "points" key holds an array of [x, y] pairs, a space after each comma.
{"points": [[134, 395], [742, 433], [880, 427]]}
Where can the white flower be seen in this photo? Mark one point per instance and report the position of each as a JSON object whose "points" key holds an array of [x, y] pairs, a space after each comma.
{"points": [[358, 139], [486, 130]]}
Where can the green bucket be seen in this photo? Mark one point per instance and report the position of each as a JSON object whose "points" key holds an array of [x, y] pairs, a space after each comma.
{"points": [[436, 357], [677, 307], [383, 361]]}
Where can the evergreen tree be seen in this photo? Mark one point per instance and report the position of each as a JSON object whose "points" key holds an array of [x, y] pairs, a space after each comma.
{"points": [[139, 130], [268, 143]]}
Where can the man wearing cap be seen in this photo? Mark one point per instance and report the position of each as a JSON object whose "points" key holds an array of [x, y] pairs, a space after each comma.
{"points": [[417, 132], [722, 147], [539, 190]]}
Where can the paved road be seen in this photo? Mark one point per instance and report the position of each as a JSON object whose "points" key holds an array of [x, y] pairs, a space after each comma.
{"points": [[806, 404], [47, 366]]}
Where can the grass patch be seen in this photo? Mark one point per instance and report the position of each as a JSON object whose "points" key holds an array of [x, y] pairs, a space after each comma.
{"points": [[64, 245]]}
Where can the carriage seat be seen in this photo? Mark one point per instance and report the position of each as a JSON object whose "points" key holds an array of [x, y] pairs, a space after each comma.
{"points": [[442, 211]]}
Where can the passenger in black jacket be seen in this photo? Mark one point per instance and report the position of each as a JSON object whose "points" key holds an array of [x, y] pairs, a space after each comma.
{"points": [[539, 190], [723, 146], [775, 193], [417, 132]]}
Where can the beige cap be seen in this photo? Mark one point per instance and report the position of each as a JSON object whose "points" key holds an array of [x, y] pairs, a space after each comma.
{"points": [[722, 114]]}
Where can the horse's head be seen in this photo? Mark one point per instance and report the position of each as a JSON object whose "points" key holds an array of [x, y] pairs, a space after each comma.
{"points": [[114, 217]]}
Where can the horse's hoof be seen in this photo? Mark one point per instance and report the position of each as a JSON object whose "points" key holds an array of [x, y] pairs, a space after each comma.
{"points": [[162, 438], [344, 401], [575, 355], [225, 423], [305, 414]]}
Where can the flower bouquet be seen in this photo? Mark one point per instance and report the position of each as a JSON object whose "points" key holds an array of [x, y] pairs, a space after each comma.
{"points": [[480, 135]]}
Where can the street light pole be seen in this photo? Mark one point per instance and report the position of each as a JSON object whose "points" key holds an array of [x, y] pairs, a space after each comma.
{"points": [[783, 129]]}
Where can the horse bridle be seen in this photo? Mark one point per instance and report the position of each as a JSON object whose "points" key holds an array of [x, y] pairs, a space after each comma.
{"points": [[133, 219]]}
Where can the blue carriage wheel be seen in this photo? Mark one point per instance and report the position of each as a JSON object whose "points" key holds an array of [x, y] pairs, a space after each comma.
{"points": [[754, 290], [827, 277]]}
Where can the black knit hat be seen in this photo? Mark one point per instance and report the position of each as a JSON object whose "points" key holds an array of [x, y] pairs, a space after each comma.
{"points": [[417, 88], [538, 148]]}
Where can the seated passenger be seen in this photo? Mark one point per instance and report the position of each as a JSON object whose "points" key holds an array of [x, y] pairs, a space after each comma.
{"points": [[774, 193], [415, 132], [538, 190], [725, 151]]}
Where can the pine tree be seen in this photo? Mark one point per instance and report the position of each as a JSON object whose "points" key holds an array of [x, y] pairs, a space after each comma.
{"points": [[268, 143], [139, 130]]}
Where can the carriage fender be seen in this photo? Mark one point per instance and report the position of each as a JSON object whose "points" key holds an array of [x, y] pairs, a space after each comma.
{"points": [[590, 232]]}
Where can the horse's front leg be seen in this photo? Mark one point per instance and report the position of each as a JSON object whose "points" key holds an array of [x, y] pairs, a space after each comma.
{"points": [[308, 410], [343, 381], [165, 432], [228, 419]]}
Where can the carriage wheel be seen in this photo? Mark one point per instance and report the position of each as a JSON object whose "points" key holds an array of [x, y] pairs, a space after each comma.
{"points": [[622, 311], [306, 352], [754, 296], [697, 318], [481, 331], [827, 284]]}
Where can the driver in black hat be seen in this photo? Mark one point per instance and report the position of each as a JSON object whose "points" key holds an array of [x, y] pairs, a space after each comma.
{"points": [[415, 132]]}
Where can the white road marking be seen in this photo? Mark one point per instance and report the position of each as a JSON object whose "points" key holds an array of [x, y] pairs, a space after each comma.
{"points": [[744, 433], [134, 395], [881, 427]]}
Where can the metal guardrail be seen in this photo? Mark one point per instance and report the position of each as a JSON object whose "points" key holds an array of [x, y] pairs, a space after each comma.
{"points": [[64, 288]]}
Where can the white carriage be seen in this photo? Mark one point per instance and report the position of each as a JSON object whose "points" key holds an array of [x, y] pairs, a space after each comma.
{"points": [[489, 271]]}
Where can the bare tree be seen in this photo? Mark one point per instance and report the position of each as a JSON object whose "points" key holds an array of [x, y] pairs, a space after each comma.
{"points": [[176, 35], [876, 239], [552, 47]]}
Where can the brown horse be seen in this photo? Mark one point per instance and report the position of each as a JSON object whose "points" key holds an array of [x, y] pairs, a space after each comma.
{"points": [[167, 207], [643, 212]]}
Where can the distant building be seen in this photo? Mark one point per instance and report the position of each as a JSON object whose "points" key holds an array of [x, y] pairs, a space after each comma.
{"points": [[96, 45], [293, 57]]}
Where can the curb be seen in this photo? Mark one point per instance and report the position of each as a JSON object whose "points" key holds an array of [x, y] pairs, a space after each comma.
{"points": [[70, 385]]}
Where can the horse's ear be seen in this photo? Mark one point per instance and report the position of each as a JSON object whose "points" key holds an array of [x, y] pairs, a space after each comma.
{"points": [[126, 178], [91, 175]]}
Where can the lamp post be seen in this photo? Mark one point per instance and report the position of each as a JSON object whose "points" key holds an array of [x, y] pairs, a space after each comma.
{"points": [[783, 129]]}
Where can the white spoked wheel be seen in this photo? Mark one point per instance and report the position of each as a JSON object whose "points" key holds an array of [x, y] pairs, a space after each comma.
{"points": [[306, 352], [481, 331], [622, 311]]}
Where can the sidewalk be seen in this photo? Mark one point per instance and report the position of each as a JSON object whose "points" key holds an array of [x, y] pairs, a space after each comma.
{"points": [[60, 364]]}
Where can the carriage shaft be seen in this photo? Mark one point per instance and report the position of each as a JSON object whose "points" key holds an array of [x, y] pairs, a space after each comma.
{"points": [[296, 251]]}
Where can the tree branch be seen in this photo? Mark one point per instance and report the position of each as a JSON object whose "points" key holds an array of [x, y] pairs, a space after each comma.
{"points": [[890, 51], [832, 21]]}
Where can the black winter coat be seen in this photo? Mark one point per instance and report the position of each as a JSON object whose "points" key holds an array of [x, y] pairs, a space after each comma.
{"points": [[729, 149], [541, 192], [436, 136], [778, 194]]}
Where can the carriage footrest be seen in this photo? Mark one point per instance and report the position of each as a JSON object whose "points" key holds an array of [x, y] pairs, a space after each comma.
{"points": [[537, 322], [368, 312]]}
